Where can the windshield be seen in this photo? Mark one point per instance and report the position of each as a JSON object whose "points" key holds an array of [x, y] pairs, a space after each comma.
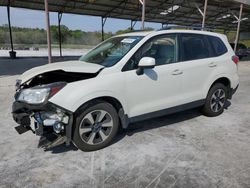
{"points": [[111, 51]]}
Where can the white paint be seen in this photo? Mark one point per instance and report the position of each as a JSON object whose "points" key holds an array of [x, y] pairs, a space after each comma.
{"points": [[158, 88]]}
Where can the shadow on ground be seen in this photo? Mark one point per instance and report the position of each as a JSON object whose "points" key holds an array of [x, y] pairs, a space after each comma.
{"points": [[10, 67], [146, 125], [142, 126]]}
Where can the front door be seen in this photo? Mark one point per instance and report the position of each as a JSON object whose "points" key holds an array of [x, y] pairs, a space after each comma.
{"points": [[158, 88]]}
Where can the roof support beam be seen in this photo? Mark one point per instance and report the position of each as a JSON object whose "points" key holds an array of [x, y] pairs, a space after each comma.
{"points": [[238, 28], [59, 16], [204, 15], [143, 3], [12, 52], [48, 30]]}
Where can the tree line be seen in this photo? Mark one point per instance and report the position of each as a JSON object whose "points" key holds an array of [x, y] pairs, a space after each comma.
{"points": [[36, 36]]}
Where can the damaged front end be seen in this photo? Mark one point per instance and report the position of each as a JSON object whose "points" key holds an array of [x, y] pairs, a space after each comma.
{"points": [[47, 120], [33, 111]]}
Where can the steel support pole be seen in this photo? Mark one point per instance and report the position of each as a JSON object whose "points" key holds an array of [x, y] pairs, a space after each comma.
{"points": [[12, 52], [238, 29], [204, 15], [103, 23], [59, 32], [143, 15], [132, 25], [48, 30], [10, 31]]}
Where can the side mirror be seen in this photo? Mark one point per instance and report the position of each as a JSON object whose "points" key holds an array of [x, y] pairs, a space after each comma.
{"points": [[145, 63]]}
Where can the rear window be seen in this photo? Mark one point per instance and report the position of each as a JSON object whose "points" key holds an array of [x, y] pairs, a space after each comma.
{"points": [[218, 46], [194, 46]]}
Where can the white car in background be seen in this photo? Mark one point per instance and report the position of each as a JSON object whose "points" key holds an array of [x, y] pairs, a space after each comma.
{"points": [[125, 79]]}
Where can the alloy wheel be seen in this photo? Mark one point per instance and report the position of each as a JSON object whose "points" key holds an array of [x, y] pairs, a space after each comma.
{"points": [[218, 100], [95, 127]]}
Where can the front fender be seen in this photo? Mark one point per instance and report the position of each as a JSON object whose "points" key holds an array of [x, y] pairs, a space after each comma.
{"points": [[75, 94], [96, 95]]}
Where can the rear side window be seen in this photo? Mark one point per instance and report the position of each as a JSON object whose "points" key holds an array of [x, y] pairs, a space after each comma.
{"points": [[218, 46], [194, 46]]}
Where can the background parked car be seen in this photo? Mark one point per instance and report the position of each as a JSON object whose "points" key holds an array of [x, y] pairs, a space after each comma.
{"points": [[241, 50], [248, 51]]}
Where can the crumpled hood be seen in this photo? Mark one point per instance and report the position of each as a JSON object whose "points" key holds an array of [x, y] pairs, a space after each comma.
{"points": [[67, 66]]}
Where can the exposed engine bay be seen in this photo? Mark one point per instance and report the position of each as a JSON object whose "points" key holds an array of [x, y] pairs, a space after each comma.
{"points": [[57, 76]]}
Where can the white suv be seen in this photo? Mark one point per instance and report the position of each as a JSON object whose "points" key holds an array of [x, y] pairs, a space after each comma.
{"points": [[127, 78]]}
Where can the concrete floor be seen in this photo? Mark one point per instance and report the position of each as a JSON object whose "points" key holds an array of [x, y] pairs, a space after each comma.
{"points": [[182, 150]]}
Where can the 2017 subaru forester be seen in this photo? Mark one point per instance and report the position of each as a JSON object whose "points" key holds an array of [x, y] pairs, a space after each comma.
{"points": [[127, 78]]}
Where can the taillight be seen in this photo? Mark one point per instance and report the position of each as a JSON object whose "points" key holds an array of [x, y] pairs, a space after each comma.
{"points": [[235, 59]]}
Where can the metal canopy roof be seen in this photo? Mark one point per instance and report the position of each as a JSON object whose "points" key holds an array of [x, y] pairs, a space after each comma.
{"points": [[186, 14]]}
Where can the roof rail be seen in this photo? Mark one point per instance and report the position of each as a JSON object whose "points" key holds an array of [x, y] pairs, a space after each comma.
{"points": [[186, 27], [141, 30]]}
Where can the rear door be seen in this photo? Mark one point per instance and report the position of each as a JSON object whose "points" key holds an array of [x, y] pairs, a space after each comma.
{"points": [[197, 65]]}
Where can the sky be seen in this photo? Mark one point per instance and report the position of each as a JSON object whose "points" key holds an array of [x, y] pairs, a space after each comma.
{"points": [[36, 19]]}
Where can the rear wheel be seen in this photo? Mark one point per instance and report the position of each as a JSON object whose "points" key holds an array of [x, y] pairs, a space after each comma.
{"points": [[95, 126], [215, 101]]}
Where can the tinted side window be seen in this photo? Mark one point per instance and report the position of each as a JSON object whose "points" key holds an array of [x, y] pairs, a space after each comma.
{"points": [[162, 48], [218, 46], [194, 46]]}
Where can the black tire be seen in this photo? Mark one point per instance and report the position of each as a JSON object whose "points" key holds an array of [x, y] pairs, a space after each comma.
{"points": [[209, 109], [92, 108]]}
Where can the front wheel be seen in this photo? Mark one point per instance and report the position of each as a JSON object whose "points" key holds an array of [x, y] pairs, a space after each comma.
{"points": [[215, 101], [95, 126]]}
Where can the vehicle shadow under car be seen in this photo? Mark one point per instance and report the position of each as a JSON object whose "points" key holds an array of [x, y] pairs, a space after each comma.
{"points": [[138, 127], [145, 125]]}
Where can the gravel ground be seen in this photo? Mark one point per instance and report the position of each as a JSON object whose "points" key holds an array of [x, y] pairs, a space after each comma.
{"points": [[182, 150]]}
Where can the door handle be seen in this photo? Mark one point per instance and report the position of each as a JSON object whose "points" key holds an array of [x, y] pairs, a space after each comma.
{"points": [[177, 72], [212, 64]]}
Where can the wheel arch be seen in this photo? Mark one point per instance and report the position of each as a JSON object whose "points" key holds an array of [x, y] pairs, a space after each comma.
{"points": [[124, 120], [223, 80], [112, 100]]}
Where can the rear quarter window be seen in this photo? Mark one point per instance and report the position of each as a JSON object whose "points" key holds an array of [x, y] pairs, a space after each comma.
{"points": [[218, 47]]}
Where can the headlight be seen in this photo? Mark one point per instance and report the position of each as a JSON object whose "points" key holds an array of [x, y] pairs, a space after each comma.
{"points": [[34, 96], [40, 94]]}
